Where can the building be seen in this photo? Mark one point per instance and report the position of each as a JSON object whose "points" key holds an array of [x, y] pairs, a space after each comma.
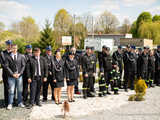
{"points": [[138, 42], [115, 37]]}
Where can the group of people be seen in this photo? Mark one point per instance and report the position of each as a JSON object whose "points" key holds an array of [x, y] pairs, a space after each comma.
{"points": [[31, 70]]}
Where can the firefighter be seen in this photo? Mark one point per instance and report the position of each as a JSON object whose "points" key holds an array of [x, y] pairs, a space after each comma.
{"points": [[157, 66], [95, 61], [115, 78], [151, 68], [88, 73], [143, 65], [118, 58], [106, 67]]}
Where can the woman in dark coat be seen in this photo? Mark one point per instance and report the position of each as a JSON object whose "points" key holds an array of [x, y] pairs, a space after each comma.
{"points": [[72, 74], [58, 76]]}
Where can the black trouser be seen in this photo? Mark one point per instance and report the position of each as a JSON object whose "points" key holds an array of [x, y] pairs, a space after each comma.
{"points": [[35, 90], [151, 76], [92, 89], [25, 88], [157, 82], [87, 84], [6, 86], [129, 76], [76, 88], [107, 76], [45, 87]]}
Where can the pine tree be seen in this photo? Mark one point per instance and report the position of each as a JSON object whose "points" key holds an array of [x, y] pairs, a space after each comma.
{"points": [[47, 37]]}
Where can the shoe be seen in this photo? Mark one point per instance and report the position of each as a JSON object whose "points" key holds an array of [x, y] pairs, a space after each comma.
{"points": [[9, 107], [21, 105], [39, 104], [85, 97], [72, 100], [126, 90], [29, 106], [108, 93], [78, 93], [44, 100], [59, 102]]}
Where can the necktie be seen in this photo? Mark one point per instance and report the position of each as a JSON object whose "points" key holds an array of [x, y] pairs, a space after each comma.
{"points": [[37, 67], [15, 58]]}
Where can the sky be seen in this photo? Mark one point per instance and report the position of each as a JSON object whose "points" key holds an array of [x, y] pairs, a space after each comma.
{"points": [[13, 10]]}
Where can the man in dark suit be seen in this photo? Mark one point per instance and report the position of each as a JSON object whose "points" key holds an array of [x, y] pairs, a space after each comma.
{"points": [[37, 71], [15, 66], [49, 59], [27, 55], [3, 56]]}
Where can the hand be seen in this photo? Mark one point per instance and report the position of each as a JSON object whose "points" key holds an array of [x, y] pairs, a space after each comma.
{"points": [[15, 75], [67, 79], [54, 81], [18, 75], [101, 73], [94, 74], [29, 80], [86, 75], [45, 79]]}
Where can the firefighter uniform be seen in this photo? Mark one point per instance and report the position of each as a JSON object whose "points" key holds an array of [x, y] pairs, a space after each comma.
{"points": [[106, 67], [143, 66], [102, 86], [88, 74], [115, 78], [157, 66], [49, 60], [151, 70], [25, 79], [3, 56], [118, 58]]}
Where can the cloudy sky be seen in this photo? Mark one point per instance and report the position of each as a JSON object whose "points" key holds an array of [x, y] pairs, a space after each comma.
{"points": [[14, 10]]}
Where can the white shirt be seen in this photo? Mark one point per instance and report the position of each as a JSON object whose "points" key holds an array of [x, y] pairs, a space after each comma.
{"points": [[12, 55], [39, 67]]}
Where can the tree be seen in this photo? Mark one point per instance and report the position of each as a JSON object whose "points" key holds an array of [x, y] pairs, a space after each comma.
{"points": [[108, 22], [78, 31], [27, 28], [144, 17], [62, 23], [125, 28], [47, 37], [156, 18], [2, 26], [133, 29]]}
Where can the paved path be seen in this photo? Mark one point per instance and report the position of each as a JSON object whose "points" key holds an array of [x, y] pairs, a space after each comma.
{"points": [[113, 107]]}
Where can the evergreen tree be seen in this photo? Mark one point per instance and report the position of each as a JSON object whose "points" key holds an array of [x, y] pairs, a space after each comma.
{"points": [[47, 37]]}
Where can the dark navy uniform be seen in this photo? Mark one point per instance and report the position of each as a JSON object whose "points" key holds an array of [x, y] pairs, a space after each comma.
{"points": [[58, 73], [151, 70], [143, 66], [3, 56], [72, 71], [25, 79], [115, 78], [118, 58], [157, 67], [106, 68], [89, 69]]}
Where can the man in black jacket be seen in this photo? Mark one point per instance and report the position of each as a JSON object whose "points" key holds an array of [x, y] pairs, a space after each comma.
{"points": [[143, 65], [3, 56], [157, 66], [37, 71], [49, 59], [106, 67], [88, 73], [78, 59], [15, 65], [27, 55]]}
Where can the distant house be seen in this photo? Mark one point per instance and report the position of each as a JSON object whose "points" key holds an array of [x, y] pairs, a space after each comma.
{"points": [[115, 37]]}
